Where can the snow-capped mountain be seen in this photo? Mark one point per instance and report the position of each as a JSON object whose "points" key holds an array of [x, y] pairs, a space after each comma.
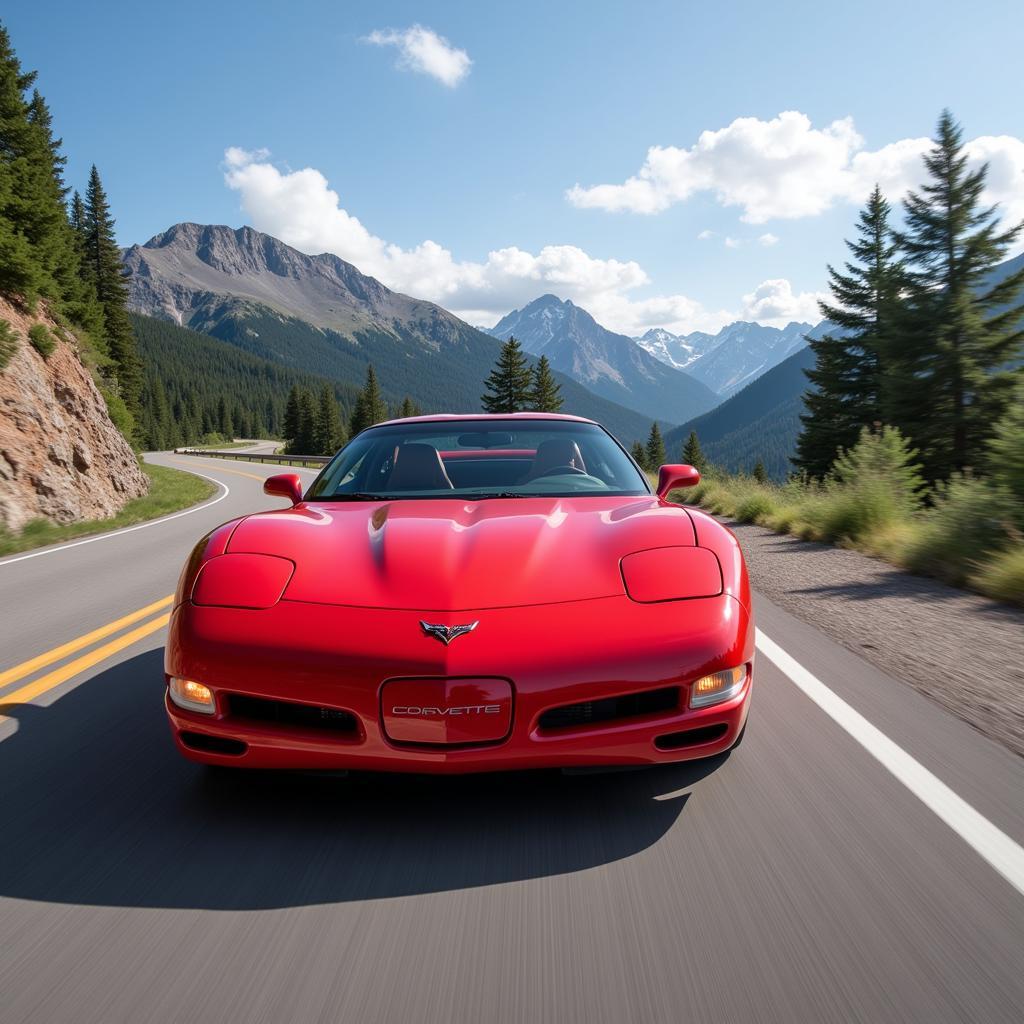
{"points": [[609, 364], [731, 359], [678, 350]]}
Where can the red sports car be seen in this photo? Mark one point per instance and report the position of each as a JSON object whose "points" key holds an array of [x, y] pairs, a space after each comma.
{"points": [[464, 593]]}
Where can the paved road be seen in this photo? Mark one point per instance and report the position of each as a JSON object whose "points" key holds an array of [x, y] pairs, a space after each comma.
{"points": [[798, 879]]}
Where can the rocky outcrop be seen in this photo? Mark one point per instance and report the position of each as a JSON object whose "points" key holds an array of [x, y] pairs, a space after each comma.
{"points": [[61, 458]]}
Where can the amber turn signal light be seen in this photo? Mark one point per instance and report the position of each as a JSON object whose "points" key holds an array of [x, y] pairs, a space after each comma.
{"points": [[192, 696], [717, 687]]}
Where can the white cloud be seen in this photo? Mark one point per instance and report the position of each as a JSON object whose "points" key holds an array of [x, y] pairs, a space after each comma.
{"points": [[768, 239], [732, 243], [705, 235], [301, 209], [773, 302], [786, 168], [423, 50]]}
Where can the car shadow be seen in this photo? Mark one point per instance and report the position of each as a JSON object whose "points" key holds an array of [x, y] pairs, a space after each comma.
{"points": [[98, 808]]}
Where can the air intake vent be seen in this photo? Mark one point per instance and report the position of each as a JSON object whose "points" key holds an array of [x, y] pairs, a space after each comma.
{"points": [[213, 744], [288, 713], [611, 709], [691, 737]]}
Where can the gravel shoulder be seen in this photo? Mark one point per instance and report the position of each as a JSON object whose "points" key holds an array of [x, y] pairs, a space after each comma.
{"points": [[964, 651]]}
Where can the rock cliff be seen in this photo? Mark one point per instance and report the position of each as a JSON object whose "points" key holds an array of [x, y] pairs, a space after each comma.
{"points": [[61, 458]]}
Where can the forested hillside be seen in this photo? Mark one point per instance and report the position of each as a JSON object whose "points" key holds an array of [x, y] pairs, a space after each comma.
{"points": [[760, 422], [195, 387]]}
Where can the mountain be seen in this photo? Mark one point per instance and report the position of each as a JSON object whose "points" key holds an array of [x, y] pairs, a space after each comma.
{"points": [[677, 350], [760, 422], [320, 315], [609, 364], [727, 361]]}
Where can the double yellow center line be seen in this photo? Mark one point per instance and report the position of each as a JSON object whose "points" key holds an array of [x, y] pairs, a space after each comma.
{"points": [[85, 661]]}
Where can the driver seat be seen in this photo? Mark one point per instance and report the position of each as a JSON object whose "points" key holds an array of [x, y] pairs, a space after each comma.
{"points": [[555, 452], [418, 467]]}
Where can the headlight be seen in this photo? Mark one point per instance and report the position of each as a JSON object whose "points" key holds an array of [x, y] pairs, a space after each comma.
{"points": [[242, 581], [717, 687], [191, 696]]}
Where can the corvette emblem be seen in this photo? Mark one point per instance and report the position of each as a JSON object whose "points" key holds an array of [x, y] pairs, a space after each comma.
{"points": [[446, 634]]}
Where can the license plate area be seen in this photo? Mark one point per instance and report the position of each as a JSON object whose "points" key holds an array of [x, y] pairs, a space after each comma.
{"points": [[446, 712]]}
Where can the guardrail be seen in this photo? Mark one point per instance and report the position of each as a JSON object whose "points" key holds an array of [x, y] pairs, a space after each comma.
{"points": [[271, 457]]}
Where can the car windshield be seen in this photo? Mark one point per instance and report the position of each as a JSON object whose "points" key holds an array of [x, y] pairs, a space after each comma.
{"points": [[479, 459]]}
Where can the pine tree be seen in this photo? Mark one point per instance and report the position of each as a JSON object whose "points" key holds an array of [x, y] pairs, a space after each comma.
{"points": [[104, 271], [760, 473], [330, 434], [370, 406], [33, 221], [655, 450], [292, 424], [961, 335], [849, 381], [545, 392], [408, 408], [639, 454], [508, 386], [305, 437], [693, 454]]}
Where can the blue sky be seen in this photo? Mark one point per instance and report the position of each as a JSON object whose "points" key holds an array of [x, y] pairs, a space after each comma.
{"points": [[447, 166]]}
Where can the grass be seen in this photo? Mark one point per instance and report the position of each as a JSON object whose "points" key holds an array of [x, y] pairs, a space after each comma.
{"points": [[170, 490], [966, 538], [41, 339]]}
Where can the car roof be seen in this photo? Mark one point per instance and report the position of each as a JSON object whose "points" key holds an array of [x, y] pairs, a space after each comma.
{"points": [[442, 417]]}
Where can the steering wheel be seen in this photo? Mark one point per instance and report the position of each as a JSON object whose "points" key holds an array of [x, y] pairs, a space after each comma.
{"points": [[561, 471]]}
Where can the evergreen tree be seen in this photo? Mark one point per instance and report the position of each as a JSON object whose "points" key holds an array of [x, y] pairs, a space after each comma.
{"points": [[292, 425], [19, 271], [760, 473], [639, 454], [408, 408], [305, 438], [104, 272], [330, 434], [849, 380], [508, 386], [962, 335], [693, 454], [370, 406], [225, 426], [35, 258], [655, 450], [546, 392]]}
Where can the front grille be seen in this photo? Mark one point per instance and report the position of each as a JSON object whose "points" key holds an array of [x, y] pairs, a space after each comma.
{"points": [[283, 712], [611, 709]]}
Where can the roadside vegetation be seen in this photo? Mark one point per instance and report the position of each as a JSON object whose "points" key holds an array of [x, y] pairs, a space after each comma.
{"points": [[912, 447], [170, 490], [968, 531]]}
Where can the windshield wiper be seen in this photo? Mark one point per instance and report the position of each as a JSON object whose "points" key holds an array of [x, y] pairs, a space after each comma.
{"points": [[356, 496], [482, 495]]}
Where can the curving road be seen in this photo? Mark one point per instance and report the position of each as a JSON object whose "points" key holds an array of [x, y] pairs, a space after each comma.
{"points": [[857, 859]]}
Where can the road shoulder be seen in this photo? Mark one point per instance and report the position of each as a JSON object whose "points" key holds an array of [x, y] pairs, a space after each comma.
{"points": [[961, 650]]}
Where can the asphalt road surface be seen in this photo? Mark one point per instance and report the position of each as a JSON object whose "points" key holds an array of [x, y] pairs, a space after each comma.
{"points": [[858, 858]]}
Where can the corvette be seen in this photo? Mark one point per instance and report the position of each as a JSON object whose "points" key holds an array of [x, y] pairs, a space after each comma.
{"points": [[461, 594]]}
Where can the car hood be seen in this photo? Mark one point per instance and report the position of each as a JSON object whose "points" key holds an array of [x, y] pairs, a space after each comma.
{"points": [[451, 555]]}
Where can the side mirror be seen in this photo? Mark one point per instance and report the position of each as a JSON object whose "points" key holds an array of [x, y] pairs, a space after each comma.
{"points": [[671, 477], [284, 485]]}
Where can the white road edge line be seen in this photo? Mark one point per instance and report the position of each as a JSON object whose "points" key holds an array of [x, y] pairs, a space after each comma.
{"points": [[991, 843], [125, 529]]}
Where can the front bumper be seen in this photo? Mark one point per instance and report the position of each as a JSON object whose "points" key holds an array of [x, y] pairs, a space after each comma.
{"points": [[338, 659]]}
